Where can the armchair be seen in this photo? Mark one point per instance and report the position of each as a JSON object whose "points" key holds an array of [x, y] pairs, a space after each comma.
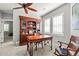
{"points": [[70, 50]]}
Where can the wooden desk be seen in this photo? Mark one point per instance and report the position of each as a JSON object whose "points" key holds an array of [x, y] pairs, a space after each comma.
{"points": [[32, 39]]}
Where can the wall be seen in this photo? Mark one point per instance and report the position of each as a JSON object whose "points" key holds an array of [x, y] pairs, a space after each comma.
{"points": [[11, 27], [0, 29], [7, 16], [66, 9], [16, 27], [0, 20]]}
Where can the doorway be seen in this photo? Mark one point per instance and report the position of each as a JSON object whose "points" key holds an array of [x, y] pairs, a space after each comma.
{"points": [[8, 31]]}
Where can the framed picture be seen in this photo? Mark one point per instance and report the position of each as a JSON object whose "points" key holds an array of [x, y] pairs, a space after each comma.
{"points": [[75, 17]]}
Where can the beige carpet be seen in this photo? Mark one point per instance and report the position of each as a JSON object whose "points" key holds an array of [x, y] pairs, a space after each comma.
{"points": [[9, 49], [7, 38]]}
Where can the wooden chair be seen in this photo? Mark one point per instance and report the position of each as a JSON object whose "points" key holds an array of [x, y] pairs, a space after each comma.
{"points": [[71, 49], [36, 43]]}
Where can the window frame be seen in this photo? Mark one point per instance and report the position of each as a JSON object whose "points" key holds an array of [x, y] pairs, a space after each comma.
{"points": [[5, 26], [49, 24], [57, 33]]}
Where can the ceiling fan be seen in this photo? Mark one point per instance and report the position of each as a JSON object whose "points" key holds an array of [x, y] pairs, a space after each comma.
{"points": [[26, 7]]}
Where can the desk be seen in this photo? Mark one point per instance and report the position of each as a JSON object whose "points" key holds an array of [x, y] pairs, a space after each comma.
{"points": [[37, 38]]}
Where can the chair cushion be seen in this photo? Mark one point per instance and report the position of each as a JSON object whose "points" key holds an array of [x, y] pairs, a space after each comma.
{"points": [[62, 51]]}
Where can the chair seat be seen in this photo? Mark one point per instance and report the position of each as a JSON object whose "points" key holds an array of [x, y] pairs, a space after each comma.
{"points": [[62, 51]]}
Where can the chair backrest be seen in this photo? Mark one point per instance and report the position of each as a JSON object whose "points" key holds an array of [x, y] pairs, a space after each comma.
{"points": [[71, 45]]}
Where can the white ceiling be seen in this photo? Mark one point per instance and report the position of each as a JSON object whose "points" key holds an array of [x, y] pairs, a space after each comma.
{"points": [[42, 8]]}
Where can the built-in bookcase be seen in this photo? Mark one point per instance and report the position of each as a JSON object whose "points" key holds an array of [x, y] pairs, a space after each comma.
{"points": [[28, 26]]}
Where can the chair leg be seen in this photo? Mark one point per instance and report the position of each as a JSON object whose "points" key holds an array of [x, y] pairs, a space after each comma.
{"points": [[42, 44], [36, 46], [56, 52], [27, 46]]}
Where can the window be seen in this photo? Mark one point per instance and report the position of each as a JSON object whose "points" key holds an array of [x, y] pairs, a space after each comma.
{"points": [[58, 24], [6, 27], [47, 26]]}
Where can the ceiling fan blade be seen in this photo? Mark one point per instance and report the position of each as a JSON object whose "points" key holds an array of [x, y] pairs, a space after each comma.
{"points": [[20, 4], [32, 9], [25, 10], [28, 4], [17, 7]]}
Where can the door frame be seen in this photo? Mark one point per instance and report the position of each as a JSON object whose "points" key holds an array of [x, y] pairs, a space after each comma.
{"points": [[4, 20]]}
